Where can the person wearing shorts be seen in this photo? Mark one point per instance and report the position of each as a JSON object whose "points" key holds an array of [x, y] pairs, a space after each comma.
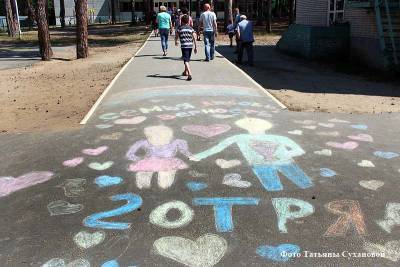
{"points": [[187, 38]]}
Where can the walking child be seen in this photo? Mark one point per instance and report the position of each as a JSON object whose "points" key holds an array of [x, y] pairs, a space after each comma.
{"points": [[187, 37]]}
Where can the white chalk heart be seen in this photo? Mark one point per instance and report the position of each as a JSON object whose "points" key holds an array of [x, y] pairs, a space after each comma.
{"points": [[207, 250], [324, 152], [390, 251], [226, 164], [134, 120], [338, 121], [57, 262], [235, 180], [371, 184], [333, 134], [310, 127], [296, 132], [87, 240], [366, 164], [305, 122], [327, 125]]}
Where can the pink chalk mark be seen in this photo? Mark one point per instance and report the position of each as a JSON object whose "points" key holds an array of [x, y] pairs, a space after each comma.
{"points": [[361, 137], [347, 145], [206, 131], [10, 185], [73, 162], [95, 151]]}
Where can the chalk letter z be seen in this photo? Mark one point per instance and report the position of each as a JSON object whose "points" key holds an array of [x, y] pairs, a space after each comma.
{"points": [[134, 202]]}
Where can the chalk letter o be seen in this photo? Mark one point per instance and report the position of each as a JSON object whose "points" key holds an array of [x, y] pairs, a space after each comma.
{"points": [[159, 215]]}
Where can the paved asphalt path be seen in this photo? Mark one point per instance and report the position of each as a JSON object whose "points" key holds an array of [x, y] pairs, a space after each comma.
{"points": [[236, 180]]}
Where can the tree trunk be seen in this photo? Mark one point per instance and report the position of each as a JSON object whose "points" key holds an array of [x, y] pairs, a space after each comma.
{"points": [[228, 12], [43, 30], [31, 14], [292, 8], [12, 24], [133, 22], [62, 13], [269, 16], [113, 18], [82, 49]]}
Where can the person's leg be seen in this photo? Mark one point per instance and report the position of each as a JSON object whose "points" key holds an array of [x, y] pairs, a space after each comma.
{"points": [[212, 45], [231, 41], [240, 53], [295, 174], [250, 53], [207, 45], [237, 44], [162, 36], [166, 41], [166, 179], [269, 178], [143, 179]]}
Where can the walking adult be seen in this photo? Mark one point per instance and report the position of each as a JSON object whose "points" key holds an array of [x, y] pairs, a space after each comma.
{"points": [[236, 20], [164, 28], [246, 39], [208, 20]]}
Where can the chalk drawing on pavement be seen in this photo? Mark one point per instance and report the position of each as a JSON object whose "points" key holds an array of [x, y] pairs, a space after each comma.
{"points": [[331, 134], [390, 250], [130, 121], [362, 137], [371, 184], [392, 217], [235, 180], [104, 126], [207, 250], [197, 174], [386, 154], [326, 172], [95, 151], [266, 154], [100, 166], [196, 186], [62, 207], [327, 125], [9, 184], [161, 149], [350, 216], [57, 262], [227, 164], [159, 215], [73, 162], [296, 132], [73, 187], [350, 145], [95, 220], [283, 208], [87, 240], [359, 126], [206, 131], [324, 152], [112, 136], [366, 164], [106, 180]]}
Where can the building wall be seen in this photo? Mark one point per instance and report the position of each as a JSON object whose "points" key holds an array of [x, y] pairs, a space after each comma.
{"points": [[312, 12], [362, 22]]}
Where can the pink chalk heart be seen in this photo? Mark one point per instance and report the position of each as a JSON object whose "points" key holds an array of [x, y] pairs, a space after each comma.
{"points": [[73, 162], [9, 185], [347, 145], [361, 137], [206, 131], [134, 120], [95, 151]]}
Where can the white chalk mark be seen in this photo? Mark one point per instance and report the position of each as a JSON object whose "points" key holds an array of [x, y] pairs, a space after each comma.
{"points": [[159, 215], [87, 240]]}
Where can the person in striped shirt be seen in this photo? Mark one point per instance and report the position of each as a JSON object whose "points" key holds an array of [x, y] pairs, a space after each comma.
{"points": [[187, 38]]}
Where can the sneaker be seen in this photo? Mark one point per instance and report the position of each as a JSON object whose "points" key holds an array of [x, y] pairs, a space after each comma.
{"points": [[206, 60], [189, 78]]}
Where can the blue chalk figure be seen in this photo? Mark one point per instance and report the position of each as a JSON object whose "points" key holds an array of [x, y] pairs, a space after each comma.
{"points": [[267, 154]]}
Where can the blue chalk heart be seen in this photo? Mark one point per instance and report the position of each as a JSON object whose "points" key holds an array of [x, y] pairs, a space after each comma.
{"points": [[111, 263], [281, 253], [359, 126], [105, 180], [386, 155], [325, 172], [196, 186]]}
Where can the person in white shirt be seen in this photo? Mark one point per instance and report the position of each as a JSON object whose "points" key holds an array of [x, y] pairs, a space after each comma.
{"points": [[208, 20]]}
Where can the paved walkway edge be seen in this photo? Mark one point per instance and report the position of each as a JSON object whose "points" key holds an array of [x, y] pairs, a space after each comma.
{"points": [[264, 91], [105, 92]]}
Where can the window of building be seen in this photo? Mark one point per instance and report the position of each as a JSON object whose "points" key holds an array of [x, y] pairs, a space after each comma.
{"points": [[335, 11]]}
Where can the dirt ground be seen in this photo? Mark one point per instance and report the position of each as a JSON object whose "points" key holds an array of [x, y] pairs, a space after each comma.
{"points": [[56, 95], [316, 87]]}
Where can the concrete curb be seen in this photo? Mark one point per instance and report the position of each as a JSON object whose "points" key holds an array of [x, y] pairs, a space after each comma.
{"points": [[105, 92]]}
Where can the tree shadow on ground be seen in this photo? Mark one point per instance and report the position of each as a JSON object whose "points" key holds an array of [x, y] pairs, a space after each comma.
{"points": [[277, 71]]}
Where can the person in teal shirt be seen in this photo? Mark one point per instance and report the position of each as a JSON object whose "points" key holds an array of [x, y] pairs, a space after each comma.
{"points": [[266, 154], [164, 28]]}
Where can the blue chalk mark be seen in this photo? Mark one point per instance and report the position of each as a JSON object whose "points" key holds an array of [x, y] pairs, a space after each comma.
{"points": [[325, 172], [269, 178], [359, 126], [111, 263], [386, 154], [282, 209], [105, 180], [281, 253], [223, 209], [134, 202], [196, 186]]}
